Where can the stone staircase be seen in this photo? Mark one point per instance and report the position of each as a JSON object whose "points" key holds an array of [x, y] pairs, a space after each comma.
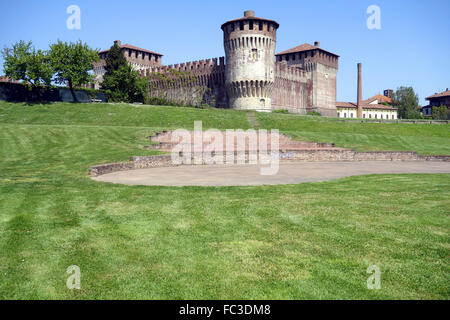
{"points": [[163, 141], [289, 150]]}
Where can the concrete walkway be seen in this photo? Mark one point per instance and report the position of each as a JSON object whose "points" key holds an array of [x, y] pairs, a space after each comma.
{"points": [[245, 175]]}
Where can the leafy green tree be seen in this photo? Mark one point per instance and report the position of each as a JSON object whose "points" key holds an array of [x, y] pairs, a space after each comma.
{"points": [[441, 113], [407, 103], [125, 85], [120, 81], [23, 62], [72, 63], [114, 59]]}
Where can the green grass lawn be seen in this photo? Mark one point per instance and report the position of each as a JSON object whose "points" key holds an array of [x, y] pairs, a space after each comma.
{"points": [[366, 136], [305, 241]]}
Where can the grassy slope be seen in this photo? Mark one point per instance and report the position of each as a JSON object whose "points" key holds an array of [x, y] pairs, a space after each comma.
{"points": [[120, 115], [294, 241], [424, 138]]}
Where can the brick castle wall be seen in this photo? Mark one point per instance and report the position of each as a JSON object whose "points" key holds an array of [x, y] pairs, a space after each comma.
{"points": [[321, 67], [292, 89], [190, 83]]}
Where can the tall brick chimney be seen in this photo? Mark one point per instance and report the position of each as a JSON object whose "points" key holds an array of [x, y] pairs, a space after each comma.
{"points": [[359, 97], [118, 42], [316, 44]]}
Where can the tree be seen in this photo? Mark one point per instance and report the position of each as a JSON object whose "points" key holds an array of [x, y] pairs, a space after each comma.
{"points": [[120, 81], [72, 63], [125, 85], [114, 59], [23, 62], [407, 103], [441, 113]]}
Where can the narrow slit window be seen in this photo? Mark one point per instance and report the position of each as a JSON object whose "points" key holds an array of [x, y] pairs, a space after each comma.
{"points": [[255, 54]]}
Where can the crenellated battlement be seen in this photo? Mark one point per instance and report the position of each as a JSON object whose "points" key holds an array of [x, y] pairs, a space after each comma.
{"points": [[211, 65], [284, 71]]}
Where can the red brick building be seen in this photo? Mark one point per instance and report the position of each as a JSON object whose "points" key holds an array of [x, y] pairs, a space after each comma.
{"points": [[140, 59]]}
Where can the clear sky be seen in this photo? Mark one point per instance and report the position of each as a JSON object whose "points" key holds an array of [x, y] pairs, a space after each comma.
{"points": [[411, 48]]}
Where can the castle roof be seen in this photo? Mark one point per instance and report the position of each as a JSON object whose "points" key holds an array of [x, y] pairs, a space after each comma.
{"points": [[445, 93], [302, 48], [129, 46], [364, 105], [249, 15]]}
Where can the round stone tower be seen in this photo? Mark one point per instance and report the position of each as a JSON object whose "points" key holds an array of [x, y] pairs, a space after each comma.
{"points": [[250, 61]]}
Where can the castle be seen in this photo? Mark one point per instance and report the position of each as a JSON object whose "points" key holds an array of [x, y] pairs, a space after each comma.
{"points": [[250, 76]]}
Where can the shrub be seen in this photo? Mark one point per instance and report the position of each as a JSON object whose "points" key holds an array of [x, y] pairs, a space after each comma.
{"points": [[281, 111], [441, 113]]}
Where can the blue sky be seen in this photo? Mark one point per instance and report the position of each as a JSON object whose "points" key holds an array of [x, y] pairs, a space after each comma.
{"points": [[411, 49]]}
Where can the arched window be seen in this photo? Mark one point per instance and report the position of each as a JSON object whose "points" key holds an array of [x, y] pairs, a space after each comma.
{"points": [[345, 114], [241, 25], [251, 25]]}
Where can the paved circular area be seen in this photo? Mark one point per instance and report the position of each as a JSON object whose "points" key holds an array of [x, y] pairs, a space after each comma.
{"points": [[246, 175]]}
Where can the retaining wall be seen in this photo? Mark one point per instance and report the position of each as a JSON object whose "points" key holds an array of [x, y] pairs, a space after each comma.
{"points": [[142, 162]]}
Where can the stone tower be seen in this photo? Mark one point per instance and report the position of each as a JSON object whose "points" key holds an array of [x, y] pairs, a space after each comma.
{"points": [[321, 67], [250, 61]]}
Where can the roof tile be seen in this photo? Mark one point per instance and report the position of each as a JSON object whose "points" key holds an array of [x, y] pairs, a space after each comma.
{"points": [[378, 97], [439, 95], [301, 48], [129, 46], [364, 105]]}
